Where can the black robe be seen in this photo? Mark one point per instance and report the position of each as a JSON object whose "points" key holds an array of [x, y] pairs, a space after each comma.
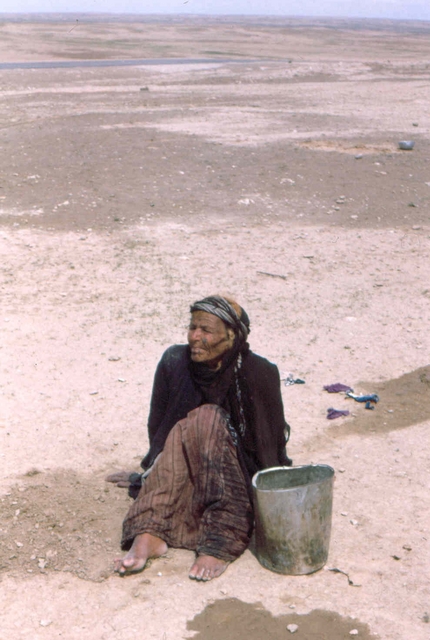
{"points": [[175, 394]]}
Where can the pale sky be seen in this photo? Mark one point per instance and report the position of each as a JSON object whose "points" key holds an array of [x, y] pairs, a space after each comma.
{"points": [[393, 9]]}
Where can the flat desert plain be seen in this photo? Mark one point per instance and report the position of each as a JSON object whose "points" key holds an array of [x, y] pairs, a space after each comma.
{"points": [[259, 158]]}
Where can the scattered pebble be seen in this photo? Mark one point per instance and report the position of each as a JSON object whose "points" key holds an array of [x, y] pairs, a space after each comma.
{"points": [[45, 623], [344, 513], [19, 544], [406, 145], [159, 574], [354, 522], [353, 632], [292, 628]]}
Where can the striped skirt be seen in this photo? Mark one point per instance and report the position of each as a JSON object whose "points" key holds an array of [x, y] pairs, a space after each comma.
{"points": [[195, 496]]}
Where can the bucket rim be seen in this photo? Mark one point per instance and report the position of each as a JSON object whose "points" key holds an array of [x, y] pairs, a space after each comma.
{"points": [[284, 468]]}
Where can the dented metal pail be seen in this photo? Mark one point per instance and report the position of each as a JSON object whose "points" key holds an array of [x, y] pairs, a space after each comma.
{"points": [[293, 507]]}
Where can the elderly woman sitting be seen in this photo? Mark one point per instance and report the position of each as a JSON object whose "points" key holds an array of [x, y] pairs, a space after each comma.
{"points": [[216, 418]]}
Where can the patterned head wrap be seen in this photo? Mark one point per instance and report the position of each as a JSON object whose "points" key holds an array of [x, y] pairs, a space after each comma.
{"points": [[223, 309]]}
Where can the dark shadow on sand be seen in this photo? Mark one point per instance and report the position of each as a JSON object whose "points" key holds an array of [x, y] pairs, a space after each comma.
{"points": [[404, 402], [236, 620]]}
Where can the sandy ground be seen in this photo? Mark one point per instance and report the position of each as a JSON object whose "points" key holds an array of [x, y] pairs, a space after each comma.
{"points": [[127, 193]]}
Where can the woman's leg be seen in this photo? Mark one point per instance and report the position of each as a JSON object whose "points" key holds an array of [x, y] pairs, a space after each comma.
{"points": [[194, 498]]}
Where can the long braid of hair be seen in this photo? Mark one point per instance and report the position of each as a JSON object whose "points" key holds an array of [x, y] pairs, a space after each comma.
{"points": [[242, 419]]}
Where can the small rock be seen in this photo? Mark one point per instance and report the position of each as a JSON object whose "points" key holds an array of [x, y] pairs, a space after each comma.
{"points": [[42, 563], [353, 632], [159, 574], [292, 628], [341, 470], [93, 393], [354, 522], [407, 547], [19, 544], [45, 623], [344, 513], [406, 145], [358, 156]]}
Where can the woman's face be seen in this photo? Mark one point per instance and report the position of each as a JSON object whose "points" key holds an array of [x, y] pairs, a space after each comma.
{"points": [[209, 338]]}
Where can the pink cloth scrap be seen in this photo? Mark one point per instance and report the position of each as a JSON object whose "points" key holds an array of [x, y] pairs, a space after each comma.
{"points": [[332, 414], [337, 388]]}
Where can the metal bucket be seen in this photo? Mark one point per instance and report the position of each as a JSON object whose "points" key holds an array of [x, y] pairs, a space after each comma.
{"points": [[293, 508]]}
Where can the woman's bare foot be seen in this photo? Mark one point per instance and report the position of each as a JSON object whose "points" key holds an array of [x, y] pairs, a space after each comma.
{"points": [[144, 546], [207, 567]]}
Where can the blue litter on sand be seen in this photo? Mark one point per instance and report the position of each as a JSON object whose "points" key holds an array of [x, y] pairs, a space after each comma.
{"points": [[372, 397]]}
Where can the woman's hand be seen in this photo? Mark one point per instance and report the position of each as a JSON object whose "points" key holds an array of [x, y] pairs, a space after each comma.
{"points": [[120, 478]]}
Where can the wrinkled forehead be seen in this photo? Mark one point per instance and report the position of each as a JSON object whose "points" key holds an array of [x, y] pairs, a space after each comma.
{"points": [[203, 318]]}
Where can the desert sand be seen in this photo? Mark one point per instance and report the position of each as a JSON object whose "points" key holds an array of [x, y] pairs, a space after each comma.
{"points": [[272, 172]]}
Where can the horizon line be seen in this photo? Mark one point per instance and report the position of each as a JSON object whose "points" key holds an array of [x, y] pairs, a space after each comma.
{"points": [[210, 15]]}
